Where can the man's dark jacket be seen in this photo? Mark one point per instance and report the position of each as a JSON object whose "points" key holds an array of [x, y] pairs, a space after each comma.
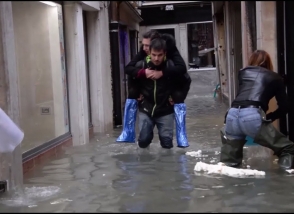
{"points": [[156, 93], [257, 86]]}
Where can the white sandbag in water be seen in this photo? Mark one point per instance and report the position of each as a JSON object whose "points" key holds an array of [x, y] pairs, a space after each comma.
{"points": [[10, 135], [195, 154], [291, 171], [222, 169]]}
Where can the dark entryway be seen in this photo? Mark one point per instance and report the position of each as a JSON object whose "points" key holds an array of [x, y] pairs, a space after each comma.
{"points": [[285, 46], [167, 30], [133, 43], [87, 67]]}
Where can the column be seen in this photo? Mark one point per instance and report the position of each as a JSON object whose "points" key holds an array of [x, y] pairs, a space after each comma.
{"points": [[215, 41], [219, 36], [184, 43], [115, 62], [266, 37], [266, 28], [76, 70], [245, 47], [228, 47], [10, 164], [100, 70]]}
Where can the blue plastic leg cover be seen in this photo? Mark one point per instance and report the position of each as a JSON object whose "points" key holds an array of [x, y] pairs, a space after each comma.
{"points": [[128, 134], [180, 116]]}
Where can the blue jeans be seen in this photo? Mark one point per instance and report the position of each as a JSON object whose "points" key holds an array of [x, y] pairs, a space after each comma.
{"points": [[243, 122], [165, 126]]}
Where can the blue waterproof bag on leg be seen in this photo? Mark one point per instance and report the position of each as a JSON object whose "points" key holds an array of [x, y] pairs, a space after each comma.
{"points": [[129, 125], [180, 117]]}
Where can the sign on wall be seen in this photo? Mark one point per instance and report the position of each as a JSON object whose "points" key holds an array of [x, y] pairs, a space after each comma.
{"points": [[169, 7]]}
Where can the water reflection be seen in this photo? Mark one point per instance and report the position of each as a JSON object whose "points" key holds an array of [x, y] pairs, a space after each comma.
{"points": [[153, 182]]}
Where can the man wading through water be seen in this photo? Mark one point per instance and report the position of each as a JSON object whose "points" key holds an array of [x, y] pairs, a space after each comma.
{"points": [[155, 108], [178, 95]]}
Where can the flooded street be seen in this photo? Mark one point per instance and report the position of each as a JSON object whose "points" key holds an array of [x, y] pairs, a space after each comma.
{"points": [[105, 176]]}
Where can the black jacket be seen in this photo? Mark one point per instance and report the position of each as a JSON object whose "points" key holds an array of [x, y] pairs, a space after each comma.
{"points": [[156, 93], [257, 86]]}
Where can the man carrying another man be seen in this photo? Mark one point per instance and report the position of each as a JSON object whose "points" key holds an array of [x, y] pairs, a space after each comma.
{"points": [[181, 85], [155, 87]]}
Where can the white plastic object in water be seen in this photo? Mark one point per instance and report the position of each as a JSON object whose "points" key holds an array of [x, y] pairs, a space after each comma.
{"points": [[194, 154], [222, 169], [291, 171], [10, 135]]}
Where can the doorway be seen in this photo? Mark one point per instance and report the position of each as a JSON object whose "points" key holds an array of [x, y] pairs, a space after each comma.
{"points": [[87, 67], [167, 31], [285, 48], [133, 43], [201, 44], [174, 30], [233, 46], [124, 53]]}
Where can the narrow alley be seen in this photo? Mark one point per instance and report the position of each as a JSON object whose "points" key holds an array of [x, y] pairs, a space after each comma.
{"points": [[63, 84], [104, 176]]}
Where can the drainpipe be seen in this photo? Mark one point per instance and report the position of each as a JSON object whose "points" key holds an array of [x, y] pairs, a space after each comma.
{"points": [[115, 68]]}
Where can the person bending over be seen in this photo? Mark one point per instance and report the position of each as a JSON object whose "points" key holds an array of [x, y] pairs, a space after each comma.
{"points": [[258, 84]]}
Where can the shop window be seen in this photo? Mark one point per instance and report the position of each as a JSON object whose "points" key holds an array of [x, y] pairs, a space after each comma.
{"points": [[39, 45], [200, 45]]}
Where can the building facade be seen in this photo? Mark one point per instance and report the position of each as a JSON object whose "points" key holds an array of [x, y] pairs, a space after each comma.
{"points": [[55, 77], [190, 22], [244, 26]]}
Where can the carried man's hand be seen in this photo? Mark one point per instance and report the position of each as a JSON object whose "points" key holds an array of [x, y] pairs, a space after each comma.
{"points": [[140, 98], [156, 75], [148, 73], [152, 74], [171, 101]]}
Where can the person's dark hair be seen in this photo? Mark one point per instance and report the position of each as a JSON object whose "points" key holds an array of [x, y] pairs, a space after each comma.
{"points": [[169, 39], [170, 43], [158, 44], [151, 34]]}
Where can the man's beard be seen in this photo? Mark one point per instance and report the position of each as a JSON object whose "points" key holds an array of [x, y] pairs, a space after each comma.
{"points": [[154, 66], [157, 63]]}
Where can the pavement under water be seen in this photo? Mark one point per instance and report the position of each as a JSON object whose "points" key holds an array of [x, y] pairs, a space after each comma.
{"points": [[105, 176]]}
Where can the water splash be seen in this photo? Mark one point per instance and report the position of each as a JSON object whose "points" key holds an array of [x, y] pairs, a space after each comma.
{"points": [[41, 192], [30, 196], [60, 201]]}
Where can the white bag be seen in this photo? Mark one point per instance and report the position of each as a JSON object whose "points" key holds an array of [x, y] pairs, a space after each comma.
{"points": [[10, 135]]}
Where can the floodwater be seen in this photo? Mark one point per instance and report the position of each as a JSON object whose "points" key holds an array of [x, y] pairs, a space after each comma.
{"points": [[105, 176]]}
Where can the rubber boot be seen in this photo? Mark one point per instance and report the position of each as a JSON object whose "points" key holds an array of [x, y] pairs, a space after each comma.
{"points": [[268, 136], [180, 117], [128, 134], [286, 161], [231, 150]]}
